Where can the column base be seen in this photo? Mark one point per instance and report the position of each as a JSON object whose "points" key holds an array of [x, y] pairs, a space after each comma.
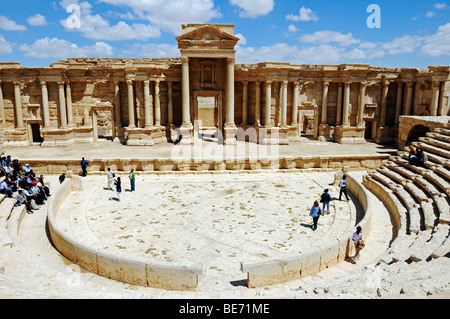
{"points": [[293, 134], [58, 137], [185, 134], [229, 134], [275, 136], [350, 135], [326, 133]]}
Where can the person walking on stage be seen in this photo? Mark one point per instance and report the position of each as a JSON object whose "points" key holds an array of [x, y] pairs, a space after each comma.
{"points": [[110, 176], [132, 177], [325, 199], [343, 186], [315, 214], [118, 184], [84, 164]]}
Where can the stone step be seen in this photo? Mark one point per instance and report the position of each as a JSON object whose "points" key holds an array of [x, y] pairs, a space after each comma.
{"points": [[443, 185], [433, 192], [433, 150], [435, 142], [438, 136], [444, 248], [413, 221], [425, 249], [6, 207]]}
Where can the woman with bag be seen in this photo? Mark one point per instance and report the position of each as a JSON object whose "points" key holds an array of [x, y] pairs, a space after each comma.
{"points": [[358, 240]]}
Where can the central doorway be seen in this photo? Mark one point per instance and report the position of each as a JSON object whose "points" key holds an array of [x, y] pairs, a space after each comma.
{"points": [[208, 116]]}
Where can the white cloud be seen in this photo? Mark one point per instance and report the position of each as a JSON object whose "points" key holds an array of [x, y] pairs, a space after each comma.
{"points": [[430, 14], [292, 28], [96, 27], [305, 15], [62, 49], [153, 50], [254, 8], [323, 37], [405, 44], [5, 46], [439, 43], [10, 25], [440, 6], [37, 20], [242, 39], [169, 15]]}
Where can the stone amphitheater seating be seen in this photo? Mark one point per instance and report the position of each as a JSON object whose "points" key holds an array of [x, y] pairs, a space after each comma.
{"points": [[420, 197]]}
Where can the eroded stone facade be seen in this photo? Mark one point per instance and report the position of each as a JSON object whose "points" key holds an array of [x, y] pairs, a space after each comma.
{"points": [[147, 101]]}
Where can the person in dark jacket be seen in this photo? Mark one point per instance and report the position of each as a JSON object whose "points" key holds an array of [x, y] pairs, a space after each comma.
{"points": [[325, 199]]}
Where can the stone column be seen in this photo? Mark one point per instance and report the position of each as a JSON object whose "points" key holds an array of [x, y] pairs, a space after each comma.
{"points": [[169, 103], [362, 104], [324, 102], [409, 98], [345, 112], [297, 89], [339, 106], [268, 107], [230, 94], [284, 87], [441, 101], [117, 105], [147, 110], [244, 102], [69, 105], [45, 105], [131, 118], [157, 104], [18, 104], [2, 105], [185, 92], [62, 105], [384, 103], [435, 99], [258, 104], [398, 105]]}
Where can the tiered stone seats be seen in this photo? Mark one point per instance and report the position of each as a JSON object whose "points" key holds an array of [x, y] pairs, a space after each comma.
{"points": [[423, 195]]}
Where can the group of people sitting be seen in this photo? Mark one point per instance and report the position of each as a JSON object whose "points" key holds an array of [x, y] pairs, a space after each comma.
{"points": [[417, 157], [20, 182]]}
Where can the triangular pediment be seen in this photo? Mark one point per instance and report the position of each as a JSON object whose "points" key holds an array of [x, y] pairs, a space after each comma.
{"points": [[207, 33]]}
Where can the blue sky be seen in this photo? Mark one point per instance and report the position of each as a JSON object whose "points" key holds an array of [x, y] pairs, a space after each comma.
{"points": [[414, 33]]}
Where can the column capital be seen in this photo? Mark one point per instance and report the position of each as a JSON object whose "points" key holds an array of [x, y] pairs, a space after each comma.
{"points": [[184, 60], [60, 83], [326, 83], [231, 61]]}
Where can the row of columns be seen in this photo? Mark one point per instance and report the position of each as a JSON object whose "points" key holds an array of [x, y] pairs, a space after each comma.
{"points": [[268, 103], [151, 119], [342, 116]]}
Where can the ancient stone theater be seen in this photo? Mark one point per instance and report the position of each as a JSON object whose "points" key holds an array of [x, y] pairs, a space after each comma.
{"points": [[141, 101], [234, 224]]}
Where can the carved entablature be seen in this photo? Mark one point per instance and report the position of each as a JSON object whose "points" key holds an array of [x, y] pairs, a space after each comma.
{"points": [[212, 40]]}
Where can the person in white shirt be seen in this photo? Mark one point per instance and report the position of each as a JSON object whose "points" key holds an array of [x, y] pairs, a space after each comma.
{"points": [[358, 240], [343, 186], [110, 175]]}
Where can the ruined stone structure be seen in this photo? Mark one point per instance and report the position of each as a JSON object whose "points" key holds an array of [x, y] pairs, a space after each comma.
{"points": [[145, 101]]}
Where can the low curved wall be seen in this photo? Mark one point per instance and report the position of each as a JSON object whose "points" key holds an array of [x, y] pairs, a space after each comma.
{"points": [[124, 269], [325, 254]]}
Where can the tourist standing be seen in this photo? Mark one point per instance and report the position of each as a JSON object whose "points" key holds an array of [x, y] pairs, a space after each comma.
{"points": [[118, 184], [358, 241], [132, 177], [110, 176], [343, 186], [325, 199], [315, 213], [84, 164]]}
